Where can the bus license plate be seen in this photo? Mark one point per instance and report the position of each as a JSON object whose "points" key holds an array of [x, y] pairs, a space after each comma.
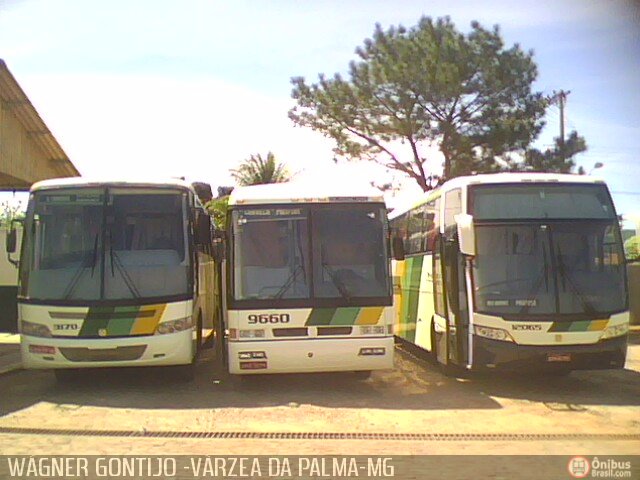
{"points": [[559, 357]]}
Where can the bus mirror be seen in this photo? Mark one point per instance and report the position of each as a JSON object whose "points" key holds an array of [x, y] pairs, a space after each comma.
{"points": [[203, 229], [397, 246], [466, 234], [10, 242]]}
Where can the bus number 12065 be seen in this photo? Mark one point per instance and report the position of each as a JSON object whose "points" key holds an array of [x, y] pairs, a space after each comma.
{"points": [[269, 318]]}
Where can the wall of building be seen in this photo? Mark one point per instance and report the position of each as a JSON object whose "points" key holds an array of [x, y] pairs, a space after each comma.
{"points": [[634, 292], [8, 285], [22, 161]]}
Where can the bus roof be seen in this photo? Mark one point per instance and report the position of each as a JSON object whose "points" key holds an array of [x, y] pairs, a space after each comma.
{"points": [[77, 182], [298, 192], [495, 178], [508, 177]]}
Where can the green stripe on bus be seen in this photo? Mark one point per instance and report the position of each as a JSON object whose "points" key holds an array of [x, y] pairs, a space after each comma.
{"points": [[97, 319], [345, 316], [404, 287], [320, 316], [411, 292], [578, 326], [122, 321]]}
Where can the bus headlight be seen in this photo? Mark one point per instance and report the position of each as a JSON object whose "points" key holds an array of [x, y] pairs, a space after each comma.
{"points": [[251, 333], [372, 329], [493, 333], [34, 329], [173, 326], [615, 331]]}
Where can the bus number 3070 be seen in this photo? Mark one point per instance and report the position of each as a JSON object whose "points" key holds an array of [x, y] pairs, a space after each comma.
{"points": [[269, 318]]}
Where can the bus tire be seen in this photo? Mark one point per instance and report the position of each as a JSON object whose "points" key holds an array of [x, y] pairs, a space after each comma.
{"points": [[446, 369], [433, 354], [199, 345]]}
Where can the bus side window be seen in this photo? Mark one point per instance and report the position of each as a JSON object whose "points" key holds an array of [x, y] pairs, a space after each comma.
{"points": [[399, 229], [415, 230], [438, 284], [452, 207], [432, 225]]}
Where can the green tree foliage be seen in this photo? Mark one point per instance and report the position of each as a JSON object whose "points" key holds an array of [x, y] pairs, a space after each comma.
{"points": [[423, 86], [257, 170], [558, 159], [10, 212], [217, 208], [632, 248]]}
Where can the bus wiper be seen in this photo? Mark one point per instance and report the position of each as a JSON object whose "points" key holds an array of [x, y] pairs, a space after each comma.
{"points": [[115, 259], [339, 284], [77, 275], [290, 281], [299, 266], [543, 278], [586, 305], [94, 258]]}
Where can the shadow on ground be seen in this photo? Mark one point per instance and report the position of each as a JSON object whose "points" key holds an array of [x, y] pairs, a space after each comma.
{"points": [[413, 384]]}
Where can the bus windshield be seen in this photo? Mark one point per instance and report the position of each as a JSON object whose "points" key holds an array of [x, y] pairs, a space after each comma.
{"points": [[274, 258], [534, 258], [99, 244]]}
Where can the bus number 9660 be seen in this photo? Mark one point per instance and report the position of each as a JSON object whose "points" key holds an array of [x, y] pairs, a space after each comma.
{"points": [[269, 318]]}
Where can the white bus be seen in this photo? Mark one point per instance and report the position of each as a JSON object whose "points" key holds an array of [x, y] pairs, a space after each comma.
{"points": [[513, 271], [115, 274], [308, 280]]}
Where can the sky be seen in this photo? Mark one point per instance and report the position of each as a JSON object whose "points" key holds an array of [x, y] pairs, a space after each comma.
{"points": [[191, 88]]}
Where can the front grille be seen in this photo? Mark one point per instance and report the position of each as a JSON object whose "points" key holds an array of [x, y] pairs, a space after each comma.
{"points": [[106, 315], [118, 354]]}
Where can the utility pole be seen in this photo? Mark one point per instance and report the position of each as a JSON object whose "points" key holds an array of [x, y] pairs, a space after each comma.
{"points": [[561, 98]]}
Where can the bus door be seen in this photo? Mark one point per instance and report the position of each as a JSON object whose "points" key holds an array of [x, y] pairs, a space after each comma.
{"points": [[453, 271], [457, 318]]}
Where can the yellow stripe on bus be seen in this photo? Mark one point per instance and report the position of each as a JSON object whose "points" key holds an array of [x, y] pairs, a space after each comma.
{"points": [[597, 325], [398, 297], [147, 325], [369, 316]]}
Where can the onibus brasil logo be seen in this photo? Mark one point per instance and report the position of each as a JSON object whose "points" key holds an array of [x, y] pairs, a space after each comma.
{"points": [[579, 467]]}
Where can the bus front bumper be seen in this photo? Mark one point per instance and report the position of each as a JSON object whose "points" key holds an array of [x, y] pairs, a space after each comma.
{"points": [[320, 355], [606, 354], [140, 351]]}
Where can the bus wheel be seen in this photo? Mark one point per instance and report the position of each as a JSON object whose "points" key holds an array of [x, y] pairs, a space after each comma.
{"points": [[362, 374], [220, 348], [446, 369], [66, 375], [199, 345], [433, 354]]}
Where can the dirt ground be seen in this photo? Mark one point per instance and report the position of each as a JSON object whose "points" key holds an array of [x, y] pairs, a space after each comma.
{"points": [[596, 412]]}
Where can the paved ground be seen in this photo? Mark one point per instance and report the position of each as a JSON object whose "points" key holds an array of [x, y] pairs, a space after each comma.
{"points": [[412, 399], [9, 352]]}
